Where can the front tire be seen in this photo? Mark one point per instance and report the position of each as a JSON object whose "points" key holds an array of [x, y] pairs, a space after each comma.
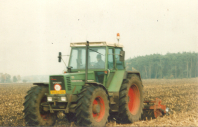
{"points": [[92, 107], [131, 100], [34, 113]]}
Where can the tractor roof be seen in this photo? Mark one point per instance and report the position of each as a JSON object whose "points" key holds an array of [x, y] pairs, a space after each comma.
{"points": [[77, 44]]}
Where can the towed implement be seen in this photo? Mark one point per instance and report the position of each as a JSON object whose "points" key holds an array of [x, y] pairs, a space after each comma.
{"points": [[95, 86], [155, 107]]}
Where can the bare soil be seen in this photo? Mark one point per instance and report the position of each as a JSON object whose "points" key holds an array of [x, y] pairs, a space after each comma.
{"points": [[180, 95]]}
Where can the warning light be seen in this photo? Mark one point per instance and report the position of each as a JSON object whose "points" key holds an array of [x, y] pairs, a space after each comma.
{"points": [[118, 37], [118, 34]]}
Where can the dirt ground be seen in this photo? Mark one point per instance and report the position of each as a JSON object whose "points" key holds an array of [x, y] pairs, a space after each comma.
{"points": [[180, 95]]}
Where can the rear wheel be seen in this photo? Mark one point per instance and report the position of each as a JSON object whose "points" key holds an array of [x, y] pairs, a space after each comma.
{"points": [[92, 107], [33, 109], [130, 100]]}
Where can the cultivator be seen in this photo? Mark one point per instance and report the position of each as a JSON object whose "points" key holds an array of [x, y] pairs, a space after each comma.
{"points": [[157, 108]]}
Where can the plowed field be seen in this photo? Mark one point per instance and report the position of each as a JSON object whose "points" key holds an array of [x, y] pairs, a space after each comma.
{"points": [[180, 95]]}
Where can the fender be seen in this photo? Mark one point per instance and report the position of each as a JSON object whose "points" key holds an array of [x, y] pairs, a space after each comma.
{"points": [[127, 73], [98, 84], [41, 84]]}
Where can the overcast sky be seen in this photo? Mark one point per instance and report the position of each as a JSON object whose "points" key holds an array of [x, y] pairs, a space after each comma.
{"points": [[32, 32]]}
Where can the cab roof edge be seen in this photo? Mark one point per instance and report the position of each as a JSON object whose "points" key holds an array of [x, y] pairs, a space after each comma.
{"points": [[102, 43]]}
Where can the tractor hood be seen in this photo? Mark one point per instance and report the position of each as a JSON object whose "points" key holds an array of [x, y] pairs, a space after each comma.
{"points": [[67, 82]]}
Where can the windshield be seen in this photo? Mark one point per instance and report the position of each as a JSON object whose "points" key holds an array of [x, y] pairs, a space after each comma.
{"points": [[96, 58]]}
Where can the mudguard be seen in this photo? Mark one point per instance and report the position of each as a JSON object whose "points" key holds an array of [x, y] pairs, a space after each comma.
{"points": [[127, 74], [98, 84], [41, 84]]}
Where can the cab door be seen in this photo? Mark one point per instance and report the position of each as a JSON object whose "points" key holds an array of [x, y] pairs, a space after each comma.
{"points": [[118, 72], [110, 66]]}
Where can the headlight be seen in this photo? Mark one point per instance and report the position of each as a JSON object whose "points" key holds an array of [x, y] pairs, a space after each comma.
{"points": [[63, 98], [49, 98]]}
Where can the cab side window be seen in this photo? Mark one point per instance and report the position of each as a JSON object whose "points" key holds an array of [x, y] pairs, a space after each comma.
{"points": [[119, 64], [110, 59]]}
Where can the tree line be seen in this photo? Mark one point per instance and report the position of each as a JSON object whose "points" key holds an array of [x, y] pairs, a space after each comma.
{"points": [[6, 78], [171, 65]]}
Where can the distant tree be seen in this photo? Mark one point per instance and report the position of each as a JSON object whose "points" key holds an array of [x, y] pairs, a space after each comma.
{"points": [[8, 78], [3, 78], [18, 78], [14, 79], [24, 81]]}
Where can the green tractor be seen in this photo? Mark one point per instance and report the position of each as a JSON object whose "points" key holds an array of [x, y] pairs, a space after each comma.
{"points": [[95, 87]]}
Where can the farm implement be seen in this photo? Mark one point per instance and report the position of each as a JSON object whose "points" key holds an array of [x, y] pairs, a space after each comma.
{"points": [[156, 107], [95, 86]]}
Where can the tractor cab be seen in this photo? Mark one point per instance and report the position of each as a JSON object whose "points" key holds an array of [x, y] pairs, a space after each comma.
{"points": [[104, 59]]}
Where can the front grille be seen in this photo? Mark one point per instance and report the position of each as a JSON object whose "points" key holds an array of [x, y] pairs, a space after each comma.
{"points": [[68, 83], [57, 80]]}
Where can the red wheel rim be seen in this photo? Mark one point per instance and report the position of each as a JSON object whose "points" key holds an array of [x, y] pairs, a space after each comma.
{"points": [[134, 99], [98, 102]]}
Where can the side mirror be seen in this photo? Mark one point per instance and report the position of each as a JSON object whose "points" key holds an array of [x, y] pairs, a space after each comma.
{"points": [[122, 54], [59, 57]]}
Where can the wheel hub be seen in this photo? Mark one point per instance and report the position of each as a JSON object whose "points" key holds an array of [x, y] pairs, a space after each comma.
{"points": [[96, 109]]}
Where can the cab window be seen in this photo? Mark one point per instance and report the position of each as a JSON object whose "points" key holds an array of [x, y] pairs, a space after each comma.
{"points": [[110, 59], [96, 58], [119, 64]]}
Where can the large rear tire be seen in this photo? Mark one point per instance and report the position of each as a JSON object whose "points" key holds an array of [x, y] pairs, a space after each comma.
{"points": [[130, 100], [34, 113], [92, 107]]}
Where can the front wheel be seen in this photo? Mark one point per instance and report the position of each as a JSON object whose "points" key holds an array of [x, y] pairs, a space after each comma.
{"points": [[92, 107], [33, 109], [131, 100]]}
